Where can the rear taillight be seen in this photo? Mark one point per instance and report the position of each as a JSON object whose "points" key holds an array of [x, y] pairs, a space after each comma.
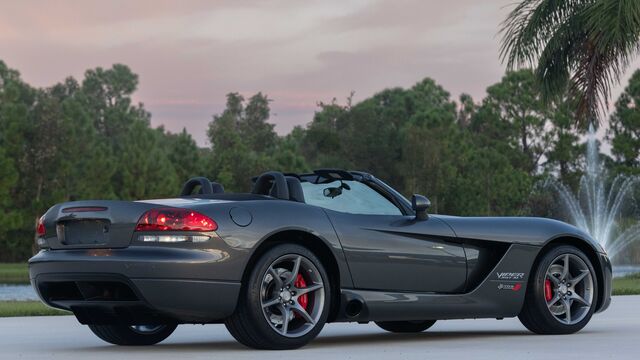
{"points": [[40, 229], [175, 219], [40, 233]]}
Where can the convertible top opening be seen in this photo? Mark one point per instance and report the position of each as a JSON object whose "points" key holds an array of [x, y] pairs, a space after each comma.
{"points": [[269, 185]]}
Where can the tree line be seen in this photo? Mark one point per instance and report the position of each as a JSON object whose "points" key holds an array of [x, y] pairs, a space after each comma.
{"points": [[87, 139]]}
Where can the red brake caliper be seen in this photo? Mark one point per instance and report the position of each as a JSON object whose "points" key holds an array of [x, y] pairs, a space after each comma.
{"points": [[548, 291], [303, 300]]}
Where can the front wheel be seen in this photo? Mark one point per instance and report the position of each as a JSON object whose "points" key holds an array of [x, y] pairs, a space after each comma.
{"points": [[133, 334], [561, 295], [406, 326], [285, 301]]}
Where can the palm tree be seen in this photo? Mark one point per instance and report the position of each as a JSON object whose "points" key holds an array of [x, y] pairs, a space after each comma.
{"points": [[582, 46]]}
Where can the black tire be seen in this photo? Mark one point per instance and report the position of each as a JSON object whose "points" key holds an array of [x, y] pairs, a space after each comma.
{"points": [[126, 335], [249, 326], [406, 326], [536, 314]]}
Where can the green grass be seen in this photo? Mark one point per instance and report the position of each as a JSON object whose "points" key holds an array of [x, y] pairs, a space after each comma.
{"points": [[27, 308], [18, 273], [628, 285], [14, 273]]}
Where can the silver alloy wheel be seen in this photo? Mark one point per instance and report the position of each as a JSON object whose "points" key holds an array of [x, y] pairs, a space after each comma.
{"points": [[571, 284], [290, 309], [147, 329]]}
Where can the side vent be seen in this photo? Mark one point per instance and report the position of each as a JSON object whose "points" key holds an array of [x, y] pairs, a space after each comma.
{"points": [[483, 256]]}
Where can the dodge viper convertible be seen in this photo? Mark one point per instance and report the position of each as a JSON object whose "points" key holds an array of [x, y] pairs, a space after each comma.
{"points": [[302, 250]]}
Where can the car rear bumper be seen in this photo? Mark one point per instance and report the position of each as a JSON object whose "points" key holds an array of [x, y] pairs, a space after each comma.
{"points": [[135, 285]]}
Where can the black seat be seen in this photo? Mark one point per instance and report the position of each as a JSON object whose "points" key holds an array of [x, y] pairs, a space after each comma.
{"points": [[191, 184], [205, 187], [271, 183], [217, 188], [295, 189]]}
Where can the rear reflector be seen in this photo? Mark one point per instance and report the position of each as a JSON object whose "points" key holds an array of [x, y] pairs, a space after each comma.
{"points": [[175, 219], [173, 238], [84, 209]]}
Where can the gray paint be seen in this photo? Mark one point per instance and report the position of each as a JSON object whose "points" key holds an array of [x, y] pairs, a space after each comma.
{"points": [[487, 300], [399, 253]]}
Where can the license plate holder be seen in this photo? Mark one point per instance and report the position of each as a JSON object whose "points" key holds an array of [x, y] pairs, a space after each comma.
{"points": [[84, 232]]}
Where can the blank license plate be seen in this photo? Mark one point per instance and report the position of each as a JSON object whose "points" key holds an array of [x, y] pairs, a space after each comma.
{"points": [[85, 232]]}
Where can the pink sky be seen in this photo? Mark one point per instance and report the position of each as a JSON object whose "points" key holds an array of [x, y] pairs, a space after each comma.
{"points": [[189, 54]]}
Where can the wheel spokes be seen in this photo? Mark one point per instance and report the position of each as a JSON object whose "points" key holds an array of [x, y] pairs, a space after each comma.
{"points": [[576, 280], [294, 271], [271, 303], [553, 279], [580, 299], [573, 296], [276, 277], [286, 317], [565, 267], [308, 289], [305, 315], [554, 300], [567, 310], [290, 310]]}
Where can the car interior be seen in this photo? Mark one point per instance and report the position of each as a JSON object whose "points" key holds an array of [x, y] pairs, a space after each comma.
{"points": [[269, 185]]}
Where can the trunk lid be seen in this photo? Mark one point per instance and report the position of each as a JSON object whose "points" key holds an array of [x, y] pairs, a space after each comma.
{"points": [[93, 224]]}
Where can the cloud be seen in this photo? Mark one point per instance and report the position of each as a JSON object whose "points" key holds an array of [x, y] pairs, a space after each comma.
{"points": [[189, 54]]}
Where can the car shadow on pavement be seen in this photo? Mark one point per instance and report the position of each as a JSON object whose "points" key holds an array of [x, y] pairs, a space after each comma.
{"points": [[427, 336], [225, 345], [338, 340]]}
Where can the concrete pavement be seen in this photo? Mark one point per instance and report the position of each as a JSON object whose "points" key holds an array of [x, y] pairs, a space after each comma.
{"points": [[614, 334]]}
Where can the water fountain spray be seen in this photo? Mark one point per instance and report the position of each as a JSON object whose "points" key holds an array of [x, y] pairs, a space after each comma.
{"points": [[597, 206]]}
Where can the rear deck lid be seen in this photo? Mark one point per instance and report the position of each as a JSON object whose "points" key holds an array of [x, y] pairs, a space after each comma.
{"points": [[93, 224]]}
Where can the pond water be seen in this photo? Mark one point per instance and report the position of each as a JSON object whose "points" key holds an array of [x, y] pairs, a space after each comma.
{"points": [[17, 292], [624, 270]]}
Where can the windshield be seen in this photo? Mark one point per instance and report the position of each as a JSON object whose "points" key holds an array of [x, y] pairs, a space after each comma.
{"points": [[348, 196]]}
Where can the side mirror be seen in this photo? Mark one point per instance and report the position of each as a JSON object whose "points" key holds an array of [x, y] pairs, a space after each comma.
{"points": [[420, 204]]}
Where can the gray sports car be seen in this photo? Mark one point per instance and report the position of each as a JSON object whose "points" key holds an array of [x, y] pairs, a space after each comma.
{"points": [[301, 250]]}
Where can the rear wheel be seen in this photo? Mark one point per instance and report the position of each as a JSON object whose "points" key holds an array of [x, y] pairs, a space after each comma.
{"points": [[133, 334], [406, 326], [561, 295], [285, 301]]}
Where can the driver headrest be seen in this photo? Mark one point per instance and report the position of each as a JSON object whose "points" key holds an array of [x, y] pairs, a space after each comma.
{"points": [[271, 183], [295, 189]]}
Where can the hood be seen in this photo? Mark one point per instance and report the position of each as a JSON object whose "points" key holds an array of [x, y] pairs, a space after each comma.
{"points": [[522, 230]]}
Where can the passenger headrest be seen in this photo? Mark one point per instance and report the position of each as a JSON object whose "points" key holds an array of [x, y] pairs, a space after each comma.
{"points": [[295, 189], [191, 184], [217, 188]]}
